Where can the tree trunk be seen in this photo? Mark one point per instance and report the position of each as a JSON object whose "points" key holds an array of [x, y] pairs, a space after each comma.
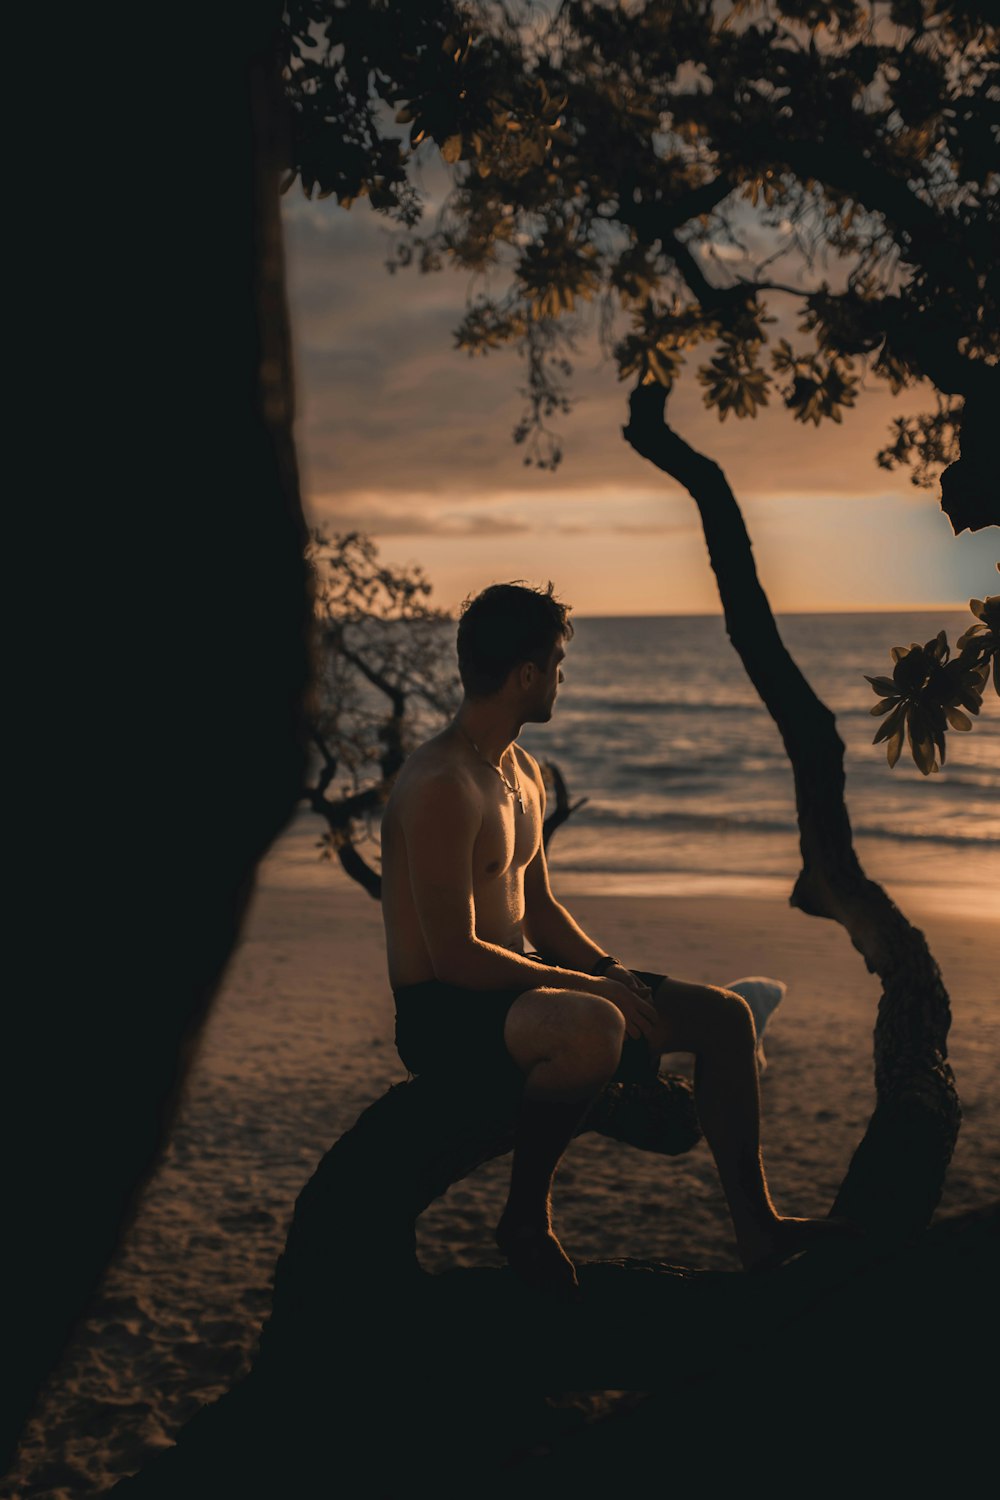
{"points": [[895, 1179], [170, 688]]}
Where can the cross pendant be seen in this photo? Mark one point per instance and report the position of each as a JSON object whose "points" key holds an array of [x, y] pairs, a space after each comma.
{"points": [[520, 801]]}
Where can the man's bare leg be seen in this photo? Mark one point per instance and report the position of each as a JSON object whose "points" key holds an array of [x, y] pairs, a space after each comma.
{"points": [[568, 1046], [717, 1026]]}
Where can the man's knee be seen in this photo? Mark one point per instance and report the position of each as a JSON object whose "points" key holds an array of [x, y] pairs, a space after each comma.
{"points": [[594, 1033], [581, 1032], [731, 1018], [699, 1016]]}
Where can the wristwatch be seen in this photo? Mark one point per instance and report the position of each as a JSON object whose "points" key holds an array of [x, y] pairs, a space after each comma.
{"points": [[603, 964]]}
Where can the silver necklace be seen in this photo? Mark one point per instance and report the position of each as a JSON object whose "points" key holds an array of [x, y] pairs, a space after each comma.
{"points": [[513, 789]]}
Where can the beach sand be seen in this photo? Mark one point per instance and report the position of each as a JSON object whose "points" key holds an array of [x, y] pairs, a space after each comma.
{"points": [[301, 1039]]}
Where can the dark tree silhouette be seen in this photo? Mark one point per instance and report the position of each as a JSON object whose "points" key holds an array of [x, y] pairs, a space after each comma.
{"points": [[170, 605], [384, 679]]}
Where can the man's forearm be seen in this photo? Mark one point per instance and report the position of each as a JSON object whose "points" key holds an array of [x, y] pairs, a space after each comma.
{"points": [[486, 966], [562, 940]]}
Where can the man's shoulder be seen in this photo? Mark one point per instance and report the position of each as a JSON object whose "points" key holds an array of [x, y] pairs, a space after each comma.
{"points": [[528, 765], [432, 769]]}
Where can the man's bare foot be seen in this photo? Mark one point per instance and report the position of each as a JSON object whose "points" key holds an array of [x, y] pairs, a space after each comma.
{"points": [[535, 1255], [765, 1249]]}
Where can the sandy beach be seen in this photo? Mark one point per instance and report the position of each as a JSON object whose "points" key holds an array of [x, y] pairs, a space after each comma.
{"points": [[301, 1039]]}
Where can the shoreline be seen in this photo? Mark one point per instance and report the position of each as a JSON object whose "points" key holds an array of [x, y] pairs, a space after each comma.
{"points": [[773, 890], [294, 863]]}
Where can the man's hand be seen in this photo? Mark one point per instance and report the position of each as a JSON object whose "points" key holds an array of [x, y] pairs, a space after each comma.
{"points": [[640, 1015], [629, 980]]}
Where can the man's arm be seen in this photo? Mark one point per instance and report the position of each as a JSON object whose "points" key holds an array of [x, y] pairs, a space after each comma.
{"points": [[549, 925], [440, 823], [552, 929]]}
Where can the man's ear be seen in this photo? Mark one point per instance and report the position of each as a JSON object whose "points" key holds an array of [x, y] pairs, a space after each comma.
{"points": [[528, 670]]}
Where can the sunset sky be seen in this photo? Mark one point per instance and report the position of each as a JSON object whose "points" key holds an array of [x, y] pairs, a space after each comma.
{"points": [[401, 435]]}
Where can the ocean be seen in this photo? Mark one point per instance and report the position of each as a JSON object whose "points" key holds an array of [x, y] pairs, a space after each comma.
{"points": [[688, 788]]}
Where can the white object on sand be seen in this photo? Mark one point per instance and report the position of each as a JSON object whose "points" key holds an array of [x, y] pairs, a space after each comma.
{"points": [[763, 997]]}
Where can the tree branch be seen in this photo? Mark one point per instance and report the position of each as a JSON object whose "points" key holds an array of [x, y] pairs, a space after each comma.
{"points": [[656, 222], [671, 213], [396, 695], [563, 809], [329, 769], [342, 812], [896, 1176], [359, 869]]}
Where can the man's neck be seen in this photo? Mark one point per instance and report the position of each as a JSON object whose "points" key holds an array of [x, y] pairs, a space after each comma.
{"points": [[489, 726]]}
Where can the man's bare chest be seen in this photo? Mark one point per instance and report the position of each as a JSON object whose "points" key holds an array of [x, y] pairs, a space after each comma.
{"points": [[508, 839]]}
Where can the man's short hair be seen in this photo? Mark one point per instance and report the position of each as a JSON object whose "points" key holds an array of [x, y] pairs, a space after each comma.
{"points": [[503, 627]]}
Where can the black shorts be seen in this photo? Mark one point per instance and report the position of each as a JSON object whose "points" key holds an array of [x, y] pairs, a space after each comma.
{"points": [[447, 1028]]}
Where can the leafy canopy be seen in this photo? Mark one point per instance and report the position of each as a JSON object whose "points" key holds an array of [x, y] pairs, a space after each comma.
{"points": [[658, 159]]}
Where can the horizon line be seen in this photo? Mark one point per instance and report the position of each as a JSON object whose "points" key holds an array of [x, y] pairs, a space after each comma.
{"points": [[833, 609]]}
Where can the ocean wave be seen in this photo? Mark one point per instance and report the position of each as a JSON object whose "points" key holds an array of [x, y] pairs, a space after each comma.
{"points": [[584, 705], [735, 822]]}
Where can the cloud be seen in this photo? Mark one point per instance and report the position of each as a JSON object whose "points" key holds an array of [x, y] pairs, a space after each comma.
{"points": [[501, 513], [657, 528], [381, 521]]}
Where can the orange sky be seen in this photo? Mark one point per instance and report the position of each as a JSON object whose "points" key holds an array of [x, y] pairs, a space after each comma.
{"points": [[404, 437]]}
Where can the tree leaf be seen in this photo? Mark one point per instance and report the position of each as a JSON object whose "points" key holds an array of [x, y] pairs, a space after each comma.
{"points": [[893, 747], [890, 725]]}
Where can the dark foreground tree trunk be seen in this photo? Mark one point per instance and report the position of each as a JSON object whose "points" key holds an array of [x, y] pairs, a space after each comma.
{"points": [[895, 1179], [168, 625]]}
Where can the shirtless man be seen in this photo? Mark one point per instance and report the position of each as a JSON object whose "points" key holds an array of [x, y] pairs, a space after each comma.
{"points": [[465, 883]]}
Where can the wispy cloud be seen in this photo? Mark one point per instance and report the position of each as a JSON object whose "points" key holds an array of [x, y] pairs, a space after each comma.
{"points": [[382, 521]]}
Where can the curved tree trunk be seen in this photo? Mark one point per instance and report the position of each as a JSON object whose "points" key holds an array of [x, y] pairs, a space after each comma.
{"points": [[895, 1178]]}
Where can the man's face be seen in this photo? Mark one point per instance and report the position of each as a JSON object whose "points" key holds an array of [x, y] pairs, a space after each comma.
{"points": [[545, 686]]}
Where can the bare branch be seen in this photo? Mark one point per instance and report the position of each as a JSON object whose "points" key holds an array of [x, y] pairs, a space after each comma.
{"points": [[563, 809]]}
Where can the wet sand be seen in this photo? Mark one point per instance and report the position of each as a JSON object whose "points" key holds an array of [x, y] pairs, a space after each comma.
{"points": [[301, 1039]]}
